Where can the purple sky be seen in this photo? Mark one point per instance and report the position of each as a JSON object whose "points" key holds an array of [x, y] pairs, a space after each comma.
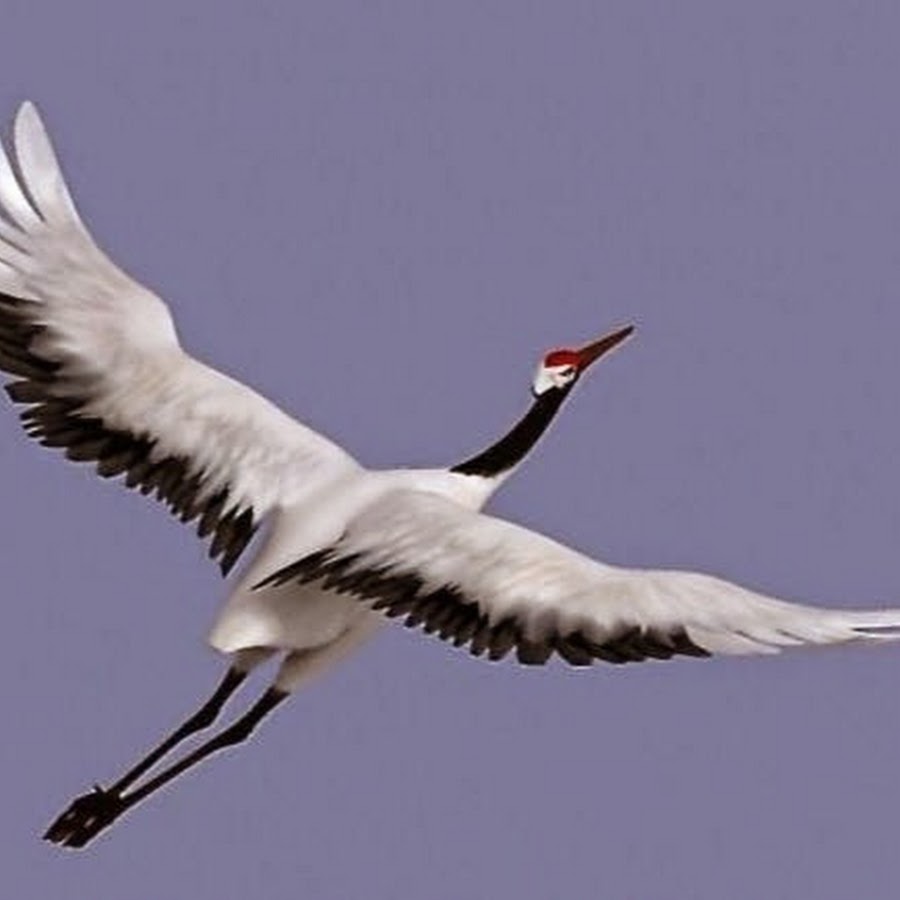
{"points": [[380, 214]]}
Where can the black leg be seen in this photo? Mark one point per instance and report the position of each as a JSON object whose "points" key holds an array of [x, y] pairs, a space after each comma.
{"points": [[92, 813], [235, 733], [203, 718], [90, 805]]}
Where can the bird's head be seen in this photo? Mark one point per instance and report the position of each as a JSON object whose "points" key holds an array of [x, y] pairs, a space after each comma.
{"points": [[560, 369], [555, 377]]}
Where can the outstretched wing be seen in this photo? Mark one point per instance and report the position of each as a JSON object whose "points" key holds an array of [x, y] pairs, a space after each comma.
{"points": [[483, 582], [103, 376]]}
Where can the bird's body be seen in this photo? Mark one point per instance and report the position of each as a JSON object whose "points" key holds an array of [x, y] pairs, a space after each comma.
{"points": [[102, 376], [304, 616]]}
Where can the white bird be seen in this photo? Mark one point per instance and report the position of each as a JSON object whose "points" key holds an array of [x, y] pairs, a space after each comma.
{"points": [[102, 375]]}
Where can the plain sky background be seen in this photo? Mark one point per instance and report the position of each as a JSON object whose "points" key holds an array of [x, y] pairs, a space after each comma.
{"points": [[381, 214]]}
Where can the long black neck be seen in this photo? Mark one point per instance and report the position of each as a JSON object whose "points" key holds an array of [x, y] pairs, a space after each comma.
{"points": [[513, 447]]}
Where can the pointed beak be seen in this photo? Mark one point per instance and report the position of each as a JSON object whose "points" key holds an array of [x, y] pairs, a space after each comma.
{"points": [[592, 352]]}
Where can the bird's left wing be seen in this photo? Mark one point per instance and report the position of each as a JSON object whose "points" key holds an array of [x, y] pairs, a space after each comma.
{"points": [[103, 375], [483, 582]]}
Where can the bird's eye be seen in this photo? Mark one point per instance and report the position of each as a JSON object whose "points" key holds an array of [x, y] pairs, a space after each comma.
{"points": [[568, 372]]}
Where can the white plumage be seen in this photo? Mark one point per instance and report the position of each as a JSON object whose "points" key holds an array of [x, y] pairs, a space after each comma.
{"points": [[102, 374], [551, 590]]}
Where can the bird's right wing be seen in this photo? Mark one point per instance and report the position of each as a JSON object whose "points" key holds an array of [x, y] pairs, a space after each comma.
{"points": [[103, 375], [483, 582]]}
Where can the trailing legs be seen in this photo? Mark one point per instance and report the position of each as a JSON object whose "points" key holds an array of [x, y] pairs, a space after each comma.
{"points": [[103, 804], [91, 813]]}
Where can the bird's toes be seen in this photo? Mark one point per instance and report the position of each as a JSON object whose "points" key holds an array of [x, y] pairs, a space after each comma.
{"points": [[85, 818]]}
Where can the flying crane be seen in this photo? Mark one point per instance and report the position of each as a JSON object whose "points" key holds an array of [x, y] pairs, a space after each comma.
{"points": [[100, 372]]}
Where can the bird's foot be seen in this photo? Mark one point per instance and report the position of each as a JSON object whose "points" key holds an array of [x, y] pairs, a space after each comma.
{"points": [[85, 818]]}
